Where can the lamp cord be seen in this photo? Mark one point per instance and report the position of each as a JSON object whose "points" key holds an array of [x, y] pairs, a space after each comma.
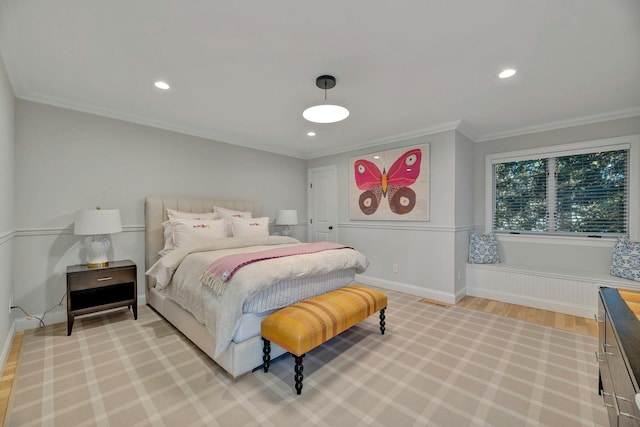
{"points": [[40, 319]]}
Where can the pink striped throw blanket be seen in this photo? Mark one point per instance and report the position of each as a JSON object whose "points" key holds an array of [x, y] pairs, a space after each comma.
{"points": [[222, 270]]}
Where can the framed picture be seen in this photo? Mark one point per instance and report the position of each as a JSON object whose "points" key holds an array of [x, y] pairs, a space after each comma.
{"points": [[390, 185]]}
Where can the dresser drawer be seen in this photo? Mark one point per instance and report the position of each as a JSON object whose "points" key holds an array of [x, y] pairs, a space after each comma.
{"points": [[106, 277], [618, 355]]}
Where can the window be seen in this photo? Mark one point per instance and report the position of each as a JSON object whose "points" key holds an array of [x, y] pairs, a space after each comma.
{"points": [[583, 191]]}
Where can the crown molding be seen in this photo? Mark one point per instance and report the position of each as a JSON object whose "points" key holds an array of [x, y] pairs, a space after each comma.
{"points": [[596, 118], [444, 127]]}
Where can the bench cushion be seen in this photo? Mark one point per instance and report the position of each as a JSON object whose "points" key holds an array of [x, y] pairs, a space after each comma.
{"points": [[303, 326]]}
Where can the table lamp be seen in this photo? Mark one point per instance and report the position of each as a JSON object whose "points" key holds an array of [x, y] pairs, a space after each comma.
{"points": [[97, 222], [287, 217]]}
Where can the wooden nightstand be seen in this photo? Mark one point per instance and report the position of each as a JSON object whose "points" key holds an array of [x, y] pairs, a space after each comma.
{"points": [[96, 289]]}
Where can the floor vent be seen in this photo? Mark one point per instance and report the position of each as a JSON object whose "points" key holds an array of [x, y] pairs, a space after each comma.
{"points": [[434, 302]]}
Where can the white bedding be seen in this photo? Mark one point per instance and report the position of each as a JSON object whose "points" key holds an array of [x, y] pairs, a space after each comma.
{"points": [[222, 314]]}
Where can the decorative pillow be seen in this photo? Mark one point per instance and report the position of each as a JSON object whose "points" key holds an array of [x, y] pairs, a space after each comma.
{"points": [[227, 214], [196, 232], [250, 227], [625, 261], [483, 249], [191, 215]]}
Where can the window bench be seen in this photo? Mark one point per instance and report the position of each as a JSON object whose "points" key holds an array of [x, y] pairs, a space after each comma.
{"points": [[563, 290]]}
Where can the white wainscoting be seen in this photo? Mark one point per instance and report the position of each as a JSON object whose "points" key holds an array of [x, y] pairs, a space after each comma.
{"points": [[569, 292]]}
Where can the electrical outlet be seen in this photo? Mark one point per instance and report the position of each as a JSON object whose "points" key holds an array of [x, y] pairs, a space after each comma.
{"points": [[395, 268]]}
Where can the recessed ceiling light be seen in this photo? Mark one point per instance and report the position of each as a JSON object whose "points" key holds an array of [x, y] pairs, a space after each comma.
{"points": [[311, 133], [505, 74], [161, 85]]}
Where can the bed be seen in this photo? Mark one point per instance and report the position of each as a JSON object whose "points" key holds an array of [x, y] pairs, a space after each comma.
{"points": [[202, 323]]}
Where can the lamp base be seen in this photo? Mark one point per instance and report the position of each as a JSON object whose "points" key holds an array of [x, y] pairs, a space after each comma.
{"points": [[98, 264], [286, 231], [97, 252]]}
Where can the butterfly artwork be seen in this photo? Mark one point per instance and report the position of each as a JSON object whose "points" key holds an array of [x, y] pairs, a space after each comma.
{"points": [[392, 184]]}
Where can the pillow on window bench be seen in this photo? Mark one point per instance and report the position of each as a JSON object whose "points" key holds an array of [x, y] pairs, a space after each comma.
{"points": [[483, 248], [625, 261]]}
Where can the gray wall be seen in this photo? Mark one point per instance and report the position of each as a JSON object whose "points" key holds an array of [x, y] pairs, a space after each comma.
{"points": [[430, 254], [67, 160], [7, 227]]}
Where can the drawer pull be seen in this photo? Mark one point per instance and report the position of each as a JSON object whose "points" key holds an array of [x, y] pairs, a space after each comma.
{"points": [[102, 279], [604, 350]]}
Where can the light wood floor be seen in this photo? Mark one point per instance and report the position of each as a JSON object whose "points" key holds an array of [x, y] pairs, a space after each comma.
{"points": [[543, 317], [534, 315], [6, 383]]}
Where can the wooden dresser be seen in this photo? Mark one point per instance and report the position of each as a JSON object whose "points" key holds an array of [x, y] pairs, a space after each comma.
{"points": [[619, 354]]}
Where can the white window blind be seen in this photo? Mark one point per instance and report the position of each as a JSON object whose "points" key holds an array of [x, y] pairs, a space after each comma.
{"points": [[584, 193]]}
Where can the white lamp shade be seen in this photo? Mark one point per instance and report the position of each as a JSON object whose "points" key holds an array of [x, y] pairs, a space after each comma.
{"points": [[287, 217], [97, 221]]}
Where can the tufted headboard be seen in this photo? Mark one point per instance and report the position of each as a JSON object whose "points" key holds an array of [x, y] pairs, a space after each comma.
{"points": [[155, 213]]}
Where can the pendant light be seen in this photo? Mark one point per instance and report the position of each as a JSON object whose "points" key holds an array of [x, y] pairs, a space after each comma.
{"points": [[325, 113]]}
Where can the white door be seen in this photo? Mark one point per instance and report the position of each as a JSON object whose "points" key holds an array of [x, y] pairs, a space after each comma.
{"points": [[323, 204]]}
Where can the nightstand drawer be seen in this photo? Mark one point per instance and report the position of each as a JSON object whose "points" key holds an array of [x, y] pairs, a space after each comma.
{"points": [[102, 277]]}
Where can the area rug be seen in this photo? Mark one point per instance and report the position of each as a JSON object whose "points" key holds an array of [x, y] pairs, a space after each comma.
{"points": [[434, 366]]}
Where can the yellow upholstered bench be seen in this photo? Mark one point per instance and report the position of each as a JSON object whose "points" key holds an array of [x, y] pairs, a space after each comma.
{"points": [[303, 326]]}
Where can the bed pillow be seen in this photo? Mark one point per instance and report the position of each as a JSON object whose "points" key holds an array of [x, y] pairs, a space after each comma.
{"points": [[168, 238], [483, 248], [197, 232], [168, 228], [625, 261], [228, 214], [250, 227]]}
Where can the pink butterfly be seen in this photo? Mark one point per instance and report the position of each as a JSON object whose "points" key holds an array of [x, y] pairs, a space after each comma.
{"points": [[393, 185]]}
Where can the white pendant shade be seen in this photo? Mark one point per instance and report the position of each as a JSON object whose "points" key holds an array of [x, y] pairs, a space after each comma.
{"points": [[325, 113]]}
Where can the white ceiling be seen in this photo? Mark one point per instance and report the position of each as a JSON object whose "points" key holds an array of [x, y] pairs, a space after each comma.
{"points": [[242, 72]]}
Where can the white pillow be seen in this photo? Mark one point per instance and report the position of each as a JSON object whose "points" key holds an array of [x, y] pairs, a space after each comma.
{"points": [[250, 227], [227, 214], [191, 215], [168, 228], [168, 238], [196, 232]]}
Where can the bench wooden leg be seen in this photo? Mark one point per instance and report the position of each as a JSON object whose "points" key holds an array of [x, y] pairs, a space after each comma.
{"points": [[266, 355], [382, 323], [298, 377]]}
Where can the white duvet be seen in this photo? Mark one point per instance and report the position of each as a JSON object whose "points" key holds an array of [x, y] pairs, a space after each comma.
{"points": [[221, 315]]}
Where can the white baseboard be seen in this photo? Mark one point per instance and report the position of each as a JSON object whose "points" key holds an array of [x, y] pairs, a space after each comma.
{"points": [[56, 316], [406, 288], [7, 345], [543, 304]]}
